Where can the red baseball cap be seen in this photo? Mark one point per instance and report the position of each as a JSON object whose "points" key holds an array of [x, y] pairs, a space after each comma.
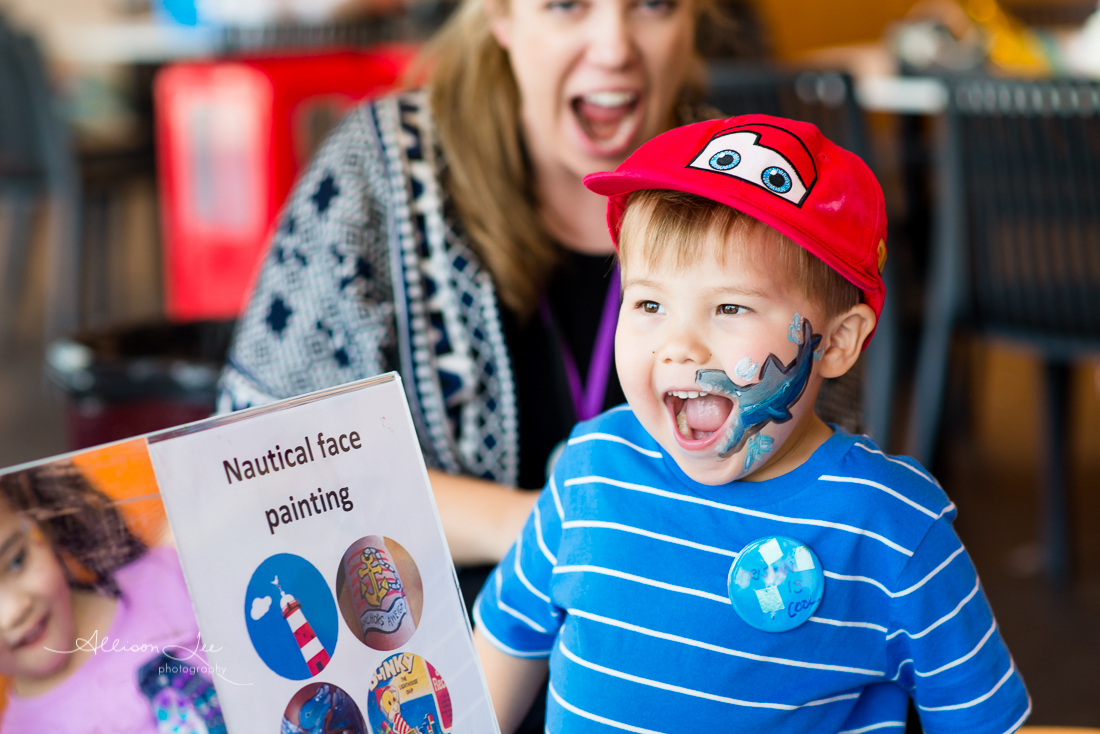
{"points": [[779, 171]]}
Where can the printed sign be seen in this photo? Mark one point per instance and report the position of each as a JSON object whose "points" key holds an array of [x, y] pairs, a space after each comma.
{"points": [[313, 554]]}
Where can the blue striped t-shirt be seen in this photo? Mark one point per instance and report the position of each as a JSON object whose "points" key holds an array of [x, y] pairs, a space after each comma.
{"points": [[619, 578]]}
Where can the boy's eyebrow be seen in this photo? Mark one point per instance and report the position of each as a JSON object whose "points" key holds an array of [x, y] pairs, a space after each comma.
{"points": [[640, 283], [736, 291], [732, 290]]}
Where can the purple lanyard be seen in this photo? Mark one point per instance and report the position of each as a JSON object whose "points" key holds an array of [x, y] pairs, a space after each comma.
{"points": [[588, 398]]}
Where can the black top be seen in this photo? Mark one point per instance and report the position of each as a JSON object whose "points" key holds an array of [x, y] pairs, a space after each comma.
{"points": [[545, 406]]}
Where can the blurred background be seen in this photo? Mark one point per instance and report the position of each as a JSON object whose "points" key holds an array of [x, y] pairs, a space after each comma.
{"points": [[146, 147]]}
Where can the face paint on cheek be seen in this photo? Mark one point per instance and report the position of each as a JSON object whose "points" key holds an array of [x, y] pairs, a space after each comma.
{"points": [[767, 401], [794, 331], [758, 446], [746, 369]]}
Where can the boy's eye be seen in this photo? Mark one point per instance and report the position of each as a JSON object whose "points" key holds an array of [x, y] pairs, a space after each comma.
{"points": [[651, 307], [728, 309]]}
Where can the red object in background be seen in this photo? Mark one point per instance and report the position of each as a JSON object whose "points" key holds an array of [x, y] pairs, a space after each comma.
{"points": [[91, 421], [232, 137]]}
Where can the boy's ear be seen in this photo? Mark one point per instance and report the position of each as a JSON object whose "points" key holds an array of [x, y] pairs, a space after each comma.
{"points": [[844, 342]]}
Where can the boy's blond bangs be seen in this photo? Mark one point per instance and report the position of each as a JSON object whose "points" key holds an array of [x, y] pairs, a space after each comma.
{"points": [[671, 229]]}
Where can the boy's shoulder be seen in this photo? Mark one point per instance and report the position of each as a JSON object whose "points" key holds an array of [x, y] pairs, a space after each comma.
{"points": [[894, 480]]}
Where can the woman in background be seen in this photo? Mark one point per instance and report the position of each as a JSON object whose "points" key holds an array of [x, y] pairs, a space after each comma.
{"points": [[445, 233]]}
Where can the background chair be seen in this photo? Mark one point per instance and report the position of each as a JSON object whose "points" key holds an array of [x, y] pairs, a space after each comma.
{"points": [[861, 401], [35, 162], [1016, 253]]}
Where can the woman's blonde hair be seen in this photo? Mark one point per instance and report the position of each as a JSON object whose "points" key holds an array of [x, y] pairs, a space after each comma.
{"points": [[476, 106]]}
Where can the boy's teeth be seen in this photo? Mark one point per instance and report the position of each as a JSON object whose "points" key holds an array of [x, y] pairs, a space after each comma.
{"points": [[682, 424], [609, 99], [687, 394]]}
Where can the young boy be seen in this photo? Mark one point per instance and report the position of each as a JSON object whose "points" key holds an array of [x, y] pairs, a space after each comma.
{"points": [[713, 557]]}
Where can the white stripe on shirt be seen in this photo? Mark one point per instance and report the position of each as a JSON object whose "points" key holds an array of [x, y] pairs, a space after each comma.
{"points": [[734, 508], [647, 533], [902, 665], [979, 699], [840, 623], [557, 499], [964, 658], [523, 578], [538, 536], [873, 727], [882, 487], [939, 621], [716, 648], [642, 580], [481, 628], [697, 694], [509, 610], [1020, 720], [899, 462], [918, 472], [616, 439], [903, 592], [598, 719]]}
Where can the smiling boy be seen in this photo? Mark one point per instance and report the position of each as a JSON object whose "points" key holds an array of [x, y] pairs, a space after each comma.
{"points": [[713, 554]]}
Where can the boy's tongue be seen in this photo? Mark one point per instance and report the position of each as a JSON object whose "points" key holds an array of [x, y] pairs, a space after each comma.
{"points": [[707, 413]]}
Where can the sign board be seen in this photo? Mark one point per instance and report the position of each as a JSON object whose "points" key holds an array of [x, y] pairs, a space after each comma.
{"points": [[318, 569]]}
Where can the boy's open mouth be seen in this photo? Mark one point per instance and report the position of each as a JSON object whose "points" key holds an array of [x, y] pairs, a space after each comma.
{"points": [[699, 416], [608, 119]]}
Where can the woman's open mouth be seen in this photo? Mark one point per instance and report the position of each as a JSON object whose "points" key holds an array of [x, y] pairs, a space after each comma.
{"points": [[608, 120], [699, 417]]}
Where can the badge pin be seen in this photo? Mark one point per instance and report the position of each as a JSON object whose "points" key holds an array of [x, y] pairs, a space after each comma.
{"points": [[776, 584]]}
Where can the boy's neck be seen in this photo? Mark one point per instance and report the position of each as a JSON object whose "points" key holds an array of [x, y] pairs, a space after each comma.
{"points": [[808, 436], [93, 614]]}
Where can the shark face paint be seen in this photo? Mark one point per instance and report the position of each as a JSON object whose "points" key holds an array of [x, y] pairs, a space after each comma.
{"points": [[767, 401]]}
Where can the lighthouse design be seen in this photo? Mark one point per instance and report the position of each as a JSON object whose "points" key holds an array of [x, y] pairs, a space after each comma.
{"points": [[313, 652]]}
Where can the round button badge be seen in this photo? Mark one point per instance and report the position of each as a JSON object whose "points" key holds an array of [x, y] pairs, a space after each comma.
{"points": [[776, 584]]}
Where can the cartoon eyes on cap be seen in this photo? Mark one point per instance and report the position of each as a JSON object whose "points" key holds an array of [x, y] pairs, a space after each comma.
{"points": [[776, 179], [724, 160]]}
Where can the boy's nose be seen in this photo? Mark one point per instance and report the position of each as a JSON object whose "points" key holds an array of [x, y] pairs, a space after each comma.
{"points": [[682, 346]]}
